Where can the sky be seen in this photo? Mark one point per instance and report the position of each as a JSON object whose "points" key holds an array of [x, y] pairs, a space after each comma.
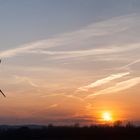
{"points": [[68, 61]]}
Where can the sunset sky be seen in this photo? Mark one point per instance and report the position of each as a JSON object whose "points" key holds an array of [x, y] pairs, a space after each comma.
{"points": [[67, 61]]}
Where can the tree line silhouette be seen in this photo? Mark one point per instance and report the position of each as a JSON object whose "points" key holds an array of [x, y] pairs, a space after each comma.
{"points": [[75, 132]]}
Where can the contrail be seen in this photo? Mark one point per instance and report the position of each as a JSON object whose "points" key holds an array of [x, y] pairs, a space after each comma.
{"points": [[105, 80]]}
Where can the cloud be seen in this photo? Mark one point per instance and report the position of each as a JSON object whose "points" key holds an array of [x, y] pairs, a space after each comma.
{"points": [[88, 52], [100, 82], [130, 64], [117, 88], [27, 47], [82, 38], [52, 106], [64, 95], [24, 79]]}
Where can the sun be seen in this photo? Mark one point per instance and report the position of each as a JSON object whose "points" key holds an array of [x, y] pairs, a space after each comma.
{"points": [[107, 116]]}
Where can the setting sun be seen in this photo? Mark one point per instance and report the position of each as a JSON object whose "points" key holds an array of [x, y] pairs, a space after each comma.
{"points": [[107, 116]]}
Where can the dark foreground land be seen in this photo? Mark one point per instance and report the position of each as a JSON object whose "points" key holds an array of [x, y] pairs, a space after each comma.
{"points": [[70, 133]]}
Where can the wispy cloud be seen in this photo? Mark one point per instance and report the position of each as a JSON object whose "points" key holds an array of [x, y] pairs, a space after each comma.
{"points": [[52, 106], [27, 47], [64, 95], [130, 64], [105, 80], [88, 52], [82, 37], [24, 79], [118, 87]]}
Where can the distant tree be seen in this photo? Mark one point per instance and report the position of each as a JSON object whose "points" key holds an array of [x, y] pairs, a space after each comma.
{"points": [[118, 123], [50, 125], [76, 125], [129, 125]]}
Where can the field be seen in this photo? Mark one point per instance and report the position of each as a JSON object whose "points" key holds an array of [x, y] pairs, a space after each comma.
{"points": [[70, 133]]}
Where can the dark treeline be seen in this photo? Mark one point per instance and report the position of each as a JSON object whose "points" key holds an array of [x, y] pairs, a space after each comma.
{"points": [[71, 133]]}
